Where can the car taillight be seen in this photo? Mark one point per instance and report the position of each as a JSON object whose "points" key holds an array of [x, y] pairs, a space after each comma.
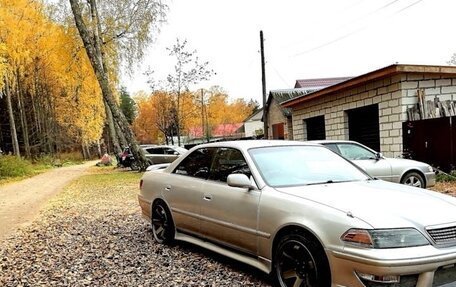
{"points": [[140, 184]]}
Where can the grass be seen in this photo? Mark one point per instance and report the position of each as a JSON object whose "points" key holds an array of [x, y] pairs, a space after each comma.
{"points": [[446, 177], [14, 169]]}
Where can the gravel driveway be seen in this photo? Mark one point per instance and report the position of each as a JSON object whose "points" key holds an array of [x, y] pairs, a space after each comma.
{"points": [[92, 234]]}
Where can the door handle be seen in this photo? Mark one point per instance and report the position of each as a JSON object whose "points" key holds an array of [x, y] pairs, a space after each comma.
{"points": [[168, 188], [207, 197]]}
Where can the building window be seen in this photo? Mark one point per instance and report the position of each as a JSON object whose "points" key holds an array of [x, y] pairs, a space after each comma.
{"points": [[315, 128]]}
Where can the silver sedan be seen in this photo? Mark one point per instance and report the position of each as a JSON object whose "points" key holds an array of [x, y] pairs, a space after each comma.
{"points": [[405, 171], [304, 214]]}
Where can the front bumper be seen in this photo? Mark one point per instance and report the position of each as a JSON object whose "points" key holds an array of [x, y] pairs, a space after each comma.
{"points": [[424, 266], [430, 179]]}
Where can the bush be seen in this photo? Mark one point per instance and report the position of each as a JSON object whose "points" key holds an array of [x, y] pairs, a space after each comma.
{"points": [[445, 177], [11, 166]]}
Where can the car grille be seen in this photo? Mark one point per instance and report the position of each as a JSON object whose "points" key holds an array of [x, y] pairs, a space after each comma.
{"points": [[443, 236]]}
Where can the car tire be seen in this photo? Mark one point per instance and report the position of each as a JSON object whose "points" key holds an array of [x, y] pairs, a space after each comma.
{"points": [[134, 165], [162, 223], [299, 261], [413, 179]]}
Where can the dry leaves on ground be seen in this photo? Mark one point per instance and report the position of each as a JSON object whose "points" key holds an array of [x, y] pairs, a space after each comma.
{"points": [[92, 235]]}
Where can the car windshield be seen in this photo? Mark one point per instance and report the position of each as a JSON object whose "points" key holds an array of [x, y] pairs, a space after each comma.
{"points": [[303, 165]]}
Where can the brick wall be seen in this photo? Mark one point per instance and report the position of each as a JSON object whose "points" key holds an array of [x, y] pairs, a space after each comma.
{"points": [[275, 116], [393, 95]]}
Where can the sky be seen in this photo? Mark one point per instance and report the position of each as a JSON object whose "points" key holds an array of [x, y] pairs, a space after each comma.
{"points": [[304, 39]]}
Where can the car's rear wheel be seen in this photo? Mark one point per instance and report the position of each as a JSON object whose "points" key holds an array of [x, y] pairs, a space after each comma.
{"points": [[413, 179], [162, 223], [134, 165], [300, 262]]}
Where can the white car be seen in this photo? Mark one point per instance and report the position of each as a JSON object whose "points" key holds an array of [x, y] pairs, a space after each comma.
{"points": [[399, 170]]}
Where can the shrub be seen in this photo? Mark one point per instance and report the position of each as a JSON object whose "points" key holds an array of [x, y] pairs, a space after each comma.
{"points": [[446, 177], [11, 166]]}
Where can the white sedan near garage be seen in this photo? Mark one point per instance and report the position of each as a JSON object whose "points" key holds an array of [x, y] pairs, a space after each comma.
{"points": [[399, 170]]}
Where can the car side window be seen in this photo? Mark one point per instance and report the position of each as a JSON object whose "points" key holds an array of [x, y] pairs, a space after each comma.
{"points": [[355, 152], [332, 147], [196, 164], [169, 151], [156, 150], [228, 161]]}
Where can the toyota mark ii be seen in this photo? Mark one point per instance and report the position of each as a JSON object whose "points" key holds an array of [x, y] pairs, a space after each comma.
{"points": [[304, 214]]}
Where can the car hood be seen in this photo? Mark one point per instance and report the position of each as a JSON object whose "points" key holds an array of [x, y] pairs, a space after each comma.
{"points": [[382, 204]]}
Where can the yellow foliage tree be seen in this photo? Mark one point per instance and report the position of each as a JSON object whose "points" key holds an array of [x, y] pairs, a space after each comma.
{"points": [[49, 78]]}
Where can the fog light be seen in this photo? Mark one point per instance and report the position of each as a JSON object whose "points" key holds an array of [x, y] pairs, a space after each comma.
{"points": [[387, 279]]}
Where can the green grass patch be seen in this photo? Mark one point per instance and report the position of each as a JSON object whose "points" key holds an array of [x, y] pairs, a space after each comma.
{"points": [[11, 166], [446, 177]]}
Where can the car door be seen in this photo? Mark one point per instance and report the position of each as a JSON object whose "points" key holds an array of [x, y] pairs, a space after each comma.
{"points": [[184, 192], [229, 214], [366, 159]]}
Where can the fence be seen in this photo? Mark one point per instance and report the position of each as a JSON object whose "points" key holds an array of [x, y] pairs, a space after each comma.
{"points": [[432, 141]]}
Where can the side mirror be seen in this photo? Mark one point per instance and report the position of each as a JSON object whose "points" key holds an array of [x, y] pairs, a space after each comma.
{"points": [[378, 156], [239, 180]]}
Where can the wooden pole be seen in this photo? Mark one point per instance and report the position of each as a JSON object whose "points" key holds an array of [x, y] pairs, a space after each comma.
{"points": [[263, 82]]}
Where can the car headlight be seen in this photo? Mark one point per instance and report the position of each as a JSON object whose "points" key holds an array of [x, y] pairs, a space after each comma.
{"points": [[385, 238], [430, 169]]}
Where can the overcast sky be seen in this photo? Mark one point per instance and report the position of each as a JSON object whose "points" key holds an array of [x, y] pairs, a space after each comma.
{"points": [[303, 39]]}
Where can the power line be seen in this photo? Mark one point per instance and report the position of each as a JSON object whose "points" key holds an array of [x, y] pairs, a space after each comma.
{"points": [[358, 30], [357, 19], [409, 6]]}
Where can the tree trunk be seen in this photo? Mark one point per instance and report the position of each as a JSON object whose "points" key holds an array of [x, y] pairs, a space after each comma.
{"points": [[16, 150], [178, 118], [24, 125], [95, 56], [112, 130], [120, 135]]}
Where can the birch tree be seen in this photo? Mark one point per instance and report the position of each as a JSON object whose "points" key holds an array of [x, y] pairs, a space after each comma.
{"points": [[188, 70], [120, 30]]}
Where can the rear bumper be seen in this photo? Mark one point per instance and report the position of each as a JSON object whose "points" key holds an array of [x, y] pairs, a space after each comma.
{"points": [[145, 207], [420, 270]]}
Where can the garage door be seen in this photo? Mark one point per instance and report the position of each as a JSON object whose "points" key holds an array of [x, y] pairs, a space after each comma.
{"points": [[363, 126], [315, 128]]}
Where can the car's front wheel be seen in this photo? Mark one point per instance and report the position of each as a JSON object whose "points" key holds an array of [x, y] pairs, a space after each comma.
{"points": [[301, 262], [162, 223], [413, 179]]}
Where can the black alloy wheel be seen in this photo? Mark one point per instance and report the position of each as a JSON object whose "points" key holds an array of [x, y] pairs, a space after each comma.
{"points": [[300, 263], [162, 224]]}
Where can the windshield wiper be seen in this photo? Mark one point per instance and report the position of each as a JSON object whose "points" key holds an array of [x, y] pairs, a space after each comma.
{"points": [[321, 182]]}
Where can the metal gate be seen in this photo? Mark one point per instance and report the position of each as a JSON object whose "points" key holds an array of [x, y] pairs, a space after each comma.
{"points": [[431, 141], [363, 126]]}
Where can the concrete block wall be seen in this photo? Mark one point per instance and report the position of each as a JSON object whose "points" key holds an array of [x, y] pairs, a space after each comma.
{"points": [[384, 92], [275, 116], [433, 85]]}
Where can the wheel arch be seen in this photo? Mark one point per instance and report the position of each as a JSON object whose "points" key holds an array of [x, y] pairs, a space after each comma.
{"points": [[291, 229], [421, 173], [313, 238]]}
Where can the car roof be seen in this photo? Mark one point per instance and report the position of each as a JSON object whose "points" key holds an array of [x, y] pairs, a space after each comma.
{"points": [[247, 144], [332, 141]]}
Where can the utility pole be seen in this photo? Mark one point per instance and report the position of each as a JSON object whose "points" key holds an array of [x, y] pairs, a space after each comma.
{"points": [[263, 82]]}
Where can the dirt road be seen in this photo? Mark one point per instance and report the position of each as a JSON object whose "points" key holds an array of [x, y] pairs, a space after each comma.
{"points": [[21, 201]]}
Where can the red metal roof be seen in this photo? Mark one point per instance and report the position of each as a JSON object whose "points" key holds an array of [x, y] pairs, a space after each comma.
{"points": [[221, 130], [319, 83]]}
